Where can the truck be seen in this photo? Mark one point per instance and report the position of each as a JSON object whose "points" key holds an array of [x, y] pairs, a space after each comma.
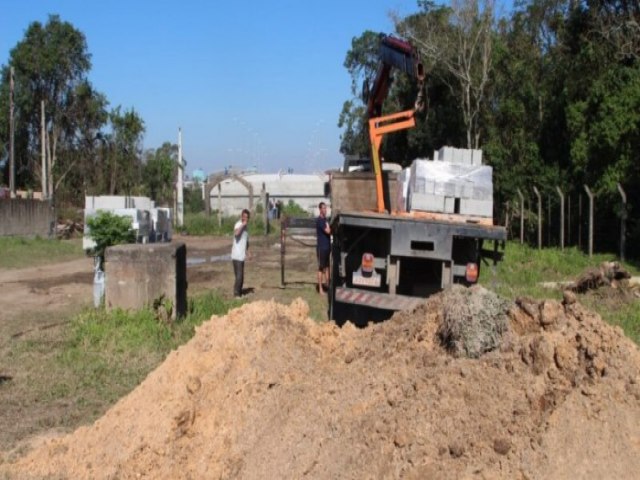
{"points": [[394, 244]]}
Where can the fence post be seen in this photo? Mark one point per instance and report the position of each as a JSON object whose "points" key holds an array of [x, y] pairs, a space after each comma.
{"points": [[590, 195], [580, 222], [561, 217], [265, 215], [506, 217], [539, 217], [568, 219], [521, 216], [623, 221], [283, 238], [219, 206]]}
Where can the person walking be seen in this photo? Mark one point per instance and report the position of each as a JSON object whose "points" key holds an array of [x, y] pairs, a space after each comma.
{"points": [[240, 251], [323, 247]]}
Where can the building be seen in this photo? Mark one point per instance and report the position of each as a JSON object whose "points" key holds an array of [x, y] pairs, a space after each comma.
{"points": [[234, 191]]}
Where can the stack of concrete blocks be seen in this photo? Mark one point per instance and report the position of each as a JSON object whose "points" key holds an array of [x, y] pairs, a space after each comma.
{"points": [[460, 156], [455, 182], [161, 228], [402, 190], [149, 223]]}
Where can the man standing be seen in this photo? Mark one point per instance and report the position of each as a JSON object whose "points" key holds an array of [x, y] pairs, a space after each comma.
{"points": [[323, 247], [239, 251]]}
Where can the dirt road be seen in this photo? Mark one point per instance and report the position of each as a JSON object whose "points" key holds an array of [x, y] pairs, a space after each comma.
{"points": [[39, 297]]}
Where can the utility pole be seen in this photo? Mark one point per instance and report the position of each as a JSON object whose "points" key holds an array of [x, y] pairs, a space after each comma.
{"points": [[179, 193], [43, 151], [12, 163]]}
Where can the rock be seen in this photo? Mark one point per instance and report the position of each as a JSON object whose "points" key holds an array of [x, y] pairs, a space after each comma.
{"points": [[551, 313], [568, 297], [456, 450], [502, 446]]}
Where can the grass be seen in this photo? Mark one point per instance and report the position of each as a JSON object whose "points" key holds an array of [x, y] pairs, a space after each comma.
{"points": [[16, 252], [109, 353], [70, 375], [202, 224], [525, 269]]}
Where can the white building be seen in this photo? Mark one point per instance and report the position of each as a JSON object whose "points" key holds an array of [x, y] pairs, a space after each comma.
{"points": [[306, 190]]}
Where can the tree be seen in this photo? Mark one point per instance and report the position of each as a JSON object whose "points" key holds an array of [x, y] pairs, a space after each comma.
{"points": [[361, 62], [459, 40], [160, 172], [124, 151], [51, 65]]}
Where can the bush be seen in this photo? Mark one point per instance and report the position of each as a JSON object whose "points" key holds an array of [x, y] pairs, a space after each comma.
{"points": [[292, 209], [201, 224], [107, 229]]}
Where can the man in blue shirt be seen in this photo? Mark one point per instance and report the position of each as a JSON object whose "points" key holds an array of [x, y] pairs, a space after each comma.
{"points": [[323, 247]]}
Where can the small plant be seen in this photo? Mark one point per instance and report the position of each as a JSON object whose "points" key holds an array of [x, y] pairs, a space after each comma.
{"points": [[107, 229], [292, 209]]}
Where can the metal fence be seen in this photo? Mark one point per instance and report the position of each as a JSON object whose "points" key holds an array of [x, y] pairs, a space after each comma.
{"points": [[561, 218]]}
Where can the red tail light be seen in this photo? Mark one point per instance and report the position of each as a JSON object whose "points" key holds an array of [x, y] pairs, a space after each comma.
{"points": [[367, 266], [472, 272]]}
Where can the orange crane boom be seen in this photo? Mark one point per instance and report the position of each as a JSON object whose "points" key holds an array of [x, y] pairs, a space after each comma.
{"points": [[393, 53]]}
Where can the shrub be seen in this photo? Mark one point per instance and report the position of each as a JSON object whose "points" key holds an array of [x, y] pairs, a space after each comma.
{"points": [[107, 229]]}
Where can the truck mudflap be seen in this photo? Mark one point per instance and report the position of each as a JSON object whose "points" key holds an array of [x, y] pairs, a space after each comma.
{"points": [[380, 300]]}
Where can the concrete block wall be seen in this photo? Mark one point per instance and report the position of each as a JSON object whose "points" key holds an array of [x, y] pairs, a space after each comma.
{"points": [[139, 275], [26, 217]]}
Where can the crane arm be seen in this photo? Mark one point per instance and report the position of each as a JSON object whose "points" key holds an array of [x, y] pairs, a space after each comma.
{"points": [[393, 53]]}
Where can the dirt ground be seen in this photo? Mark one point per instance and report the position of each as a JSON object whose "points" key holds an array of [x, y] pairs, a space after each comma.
{"points": [[266, 392], [51, 291], [36, 303]]}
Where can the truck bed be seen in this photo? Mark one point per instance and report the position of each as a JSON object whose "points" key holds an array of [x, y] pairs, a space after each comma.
{"points": [[457, 225]]}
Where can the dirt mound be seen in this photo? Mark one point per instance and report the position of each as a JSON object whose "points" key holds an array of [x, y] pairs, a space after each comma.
{"points": [[264, 392]]}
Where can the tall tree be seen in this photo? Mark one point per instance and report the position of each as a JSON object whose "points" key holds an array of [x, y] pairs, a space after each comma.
{"points": [[459, 40], [50, 63], [160, 173], [125, 151], [362, 63]]}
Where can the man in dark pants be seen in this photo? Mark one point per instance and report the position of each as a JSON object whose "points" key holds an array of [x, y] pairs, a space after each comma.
{"points": [[239, 251], [323, 247]]}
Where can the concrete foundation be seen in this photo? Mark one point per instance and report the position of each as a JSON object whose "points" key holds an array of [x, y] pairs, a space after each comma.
{"points": [[141, 275]]}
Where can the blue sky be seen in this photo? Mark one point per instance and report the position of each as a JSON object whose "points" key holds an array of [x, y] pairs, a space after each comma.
{"points": [[250, 83]]}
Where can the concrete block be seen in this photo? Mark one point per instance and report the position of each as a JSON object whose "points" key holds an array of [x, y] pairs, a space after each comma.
{"points": [[449, 204], [478, 208], [476, 157], [139, 275], [427, 202]]}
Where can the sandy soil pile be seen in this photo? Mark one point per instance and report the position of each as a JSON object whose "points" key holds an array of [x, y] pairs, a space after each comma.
{"points": [[264, 392]]}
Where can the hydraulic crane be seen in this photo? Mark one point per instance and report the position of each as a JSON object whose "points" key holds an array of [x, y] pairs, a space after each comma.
{"points": [[399, 54]]}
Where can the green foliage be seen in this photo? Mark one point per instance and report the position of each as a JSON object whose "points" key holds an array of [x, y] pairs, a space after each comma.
{"points": [[292, 209], [193, 202], [201, 224], [160, 173], [125, 149], [108, 229], [51, 63], [20, 252]]}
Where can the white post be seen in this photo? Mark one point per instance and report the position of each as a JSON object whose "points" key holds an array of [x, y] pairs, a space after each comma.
{"points": [[12, 165], [43, 152], [179, 193]]}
